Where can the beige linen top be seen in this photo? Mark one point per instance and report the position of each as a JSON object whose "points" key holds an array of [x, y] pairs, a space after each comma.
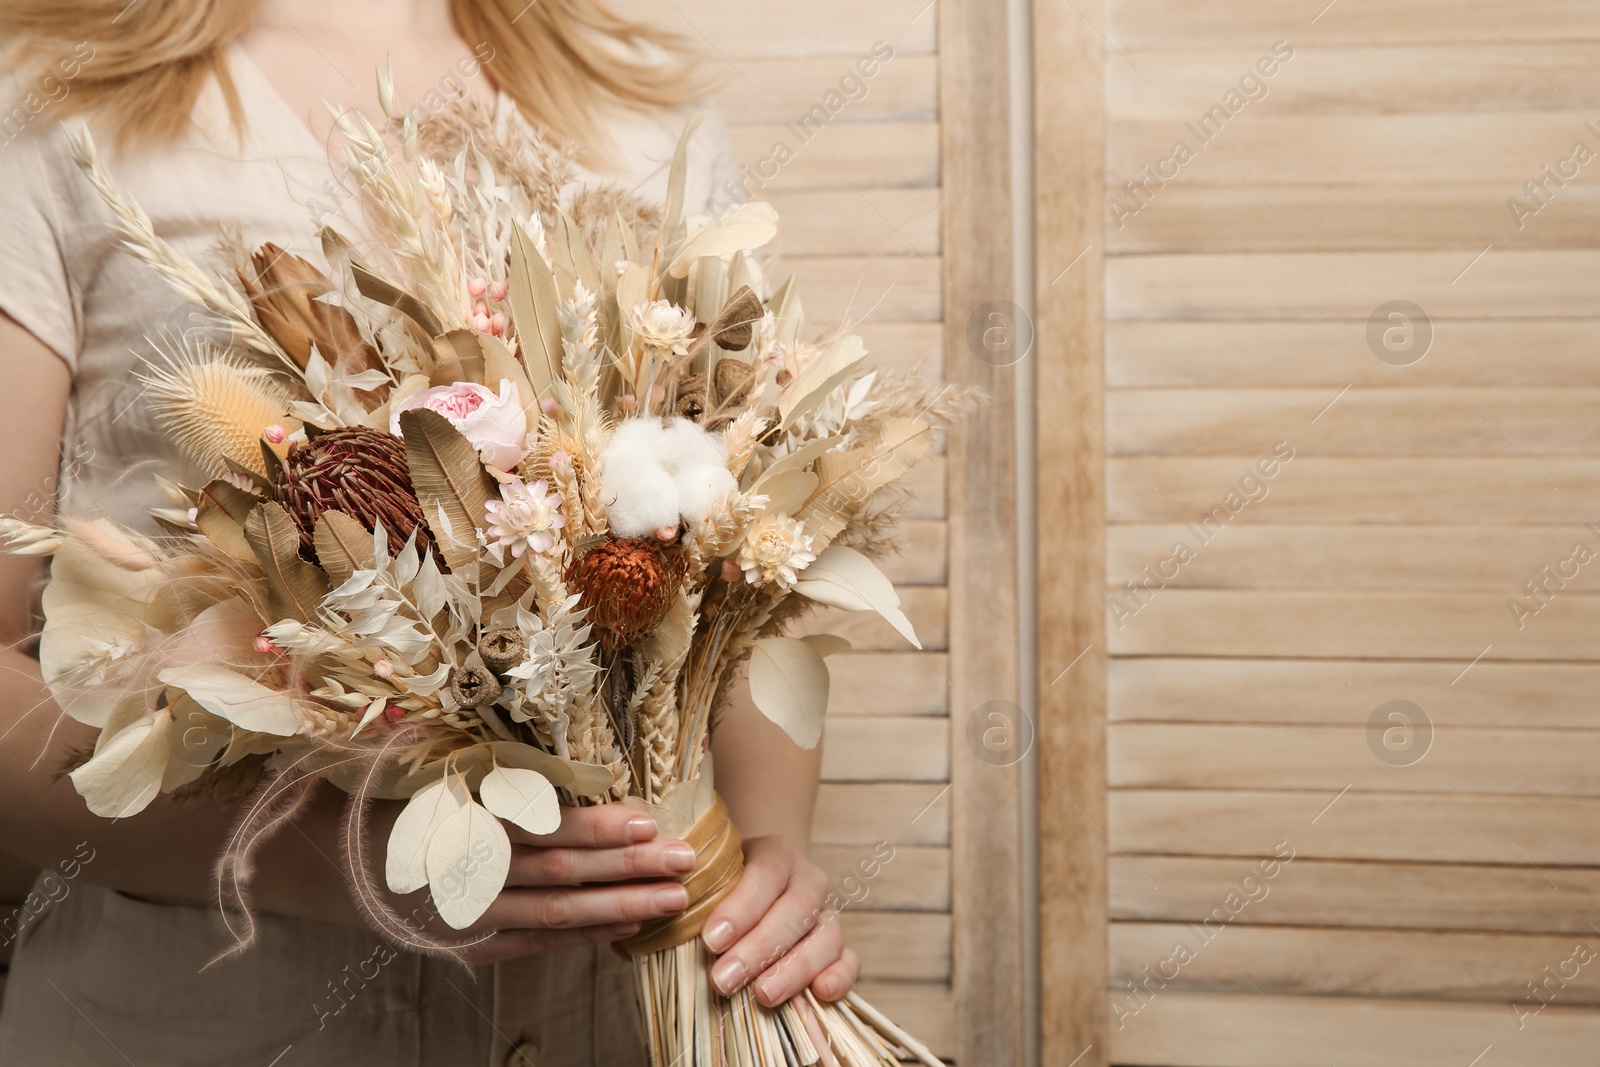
{"points": [[101, 978]]}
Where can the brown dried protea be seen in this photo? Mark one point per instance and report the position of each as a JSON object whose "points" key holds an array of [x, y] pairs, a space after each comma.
{"points": [[357, 470], [627, 587]]}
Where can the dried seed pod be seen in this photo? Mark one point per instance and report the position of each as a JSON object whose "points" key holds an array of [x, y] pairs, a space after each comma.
{"points": [[734, 377], [732, 330], [474, 684], [502, 649], [691, 402]]}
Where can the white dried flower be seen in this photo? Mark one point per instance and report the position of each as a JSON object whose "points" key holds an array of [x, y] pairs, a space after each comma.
{"points": [[774, 549], [658, 324], [525, 517]]}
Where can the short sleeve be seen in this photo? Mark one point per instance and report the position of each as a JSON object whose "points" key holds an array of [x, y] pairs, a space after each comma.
{"points": [[35, 285]]}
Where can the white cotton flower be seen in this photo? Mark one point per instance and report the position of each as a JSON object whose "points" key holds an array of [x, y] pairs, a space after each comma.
{"points": [[655, 475], [775, 548], [658, 324]]}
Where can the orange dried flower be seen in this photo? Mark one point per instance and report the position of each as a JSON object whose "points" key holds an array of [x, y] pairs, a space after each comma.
{"points": [[627, 587]]}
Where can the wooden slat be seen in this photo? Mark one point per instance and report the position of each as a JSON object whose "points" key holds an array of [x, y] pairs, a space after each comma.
{"points": [[895, 287], [911, 813], [900, 945], [1389, 895], [866, 153], [1348, 285], [1286, 691], [746, 32], [1358, 625], [1069, 112], [902, 347], [1501, 146], [926, 1009], [925, 556], [874, 748], [902, 90], [1250, 23], [1473, 760], [1549, 831], [1497, 559], [1362, 78], [1360, 490], [1355, 963], [1397, 422], [1359, 218], [925, 485], [916, 878], [925, 605], [988, 848], [1250, 1030], [902, 682], [1335, 354], [857, 222]]}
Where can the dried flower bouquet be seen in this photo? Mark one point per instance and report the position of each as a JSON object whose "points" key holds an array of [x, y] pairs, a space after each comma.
{"points": [[486, 521]]}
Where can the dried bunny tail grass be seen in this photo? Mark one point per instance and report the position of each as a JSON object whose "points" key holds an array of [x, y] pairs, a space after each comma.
{"points": [[122, 549], [214, 410], [182, 276]]}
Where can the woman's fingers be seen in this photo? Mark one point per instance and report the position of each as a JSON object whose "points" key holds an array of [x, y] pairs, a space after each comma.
{"points": [[546, 866], [599, 826], [838, 978], [756, 928], [804, 965], [570, 909]]}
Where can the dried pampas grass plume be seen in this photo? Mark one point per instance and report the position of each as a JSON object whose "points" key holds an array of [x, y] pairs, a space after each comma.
{"points": [[215, 410]]}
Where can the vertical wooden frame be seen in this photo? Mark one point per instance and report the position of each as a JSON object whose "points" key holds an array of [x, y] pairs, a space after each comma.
{"points": [[986, 813], [1069, 183]]}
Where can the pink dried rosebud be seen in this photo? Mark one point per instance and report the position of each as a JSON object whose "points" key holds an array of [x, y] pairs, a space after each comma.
{"points": [[497, 291], [626, 403], [478, 286], [275, 434], [263, 645], [549, 405], [393, 714], [480, 322], [620, 267], [731, 571], [666, 534], [559, 457], [382, 667], [497, 323]]}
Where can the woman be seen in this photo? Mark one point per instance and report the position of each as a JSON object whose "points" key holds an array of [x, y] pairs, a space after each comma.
{"points": [[214, 111]]}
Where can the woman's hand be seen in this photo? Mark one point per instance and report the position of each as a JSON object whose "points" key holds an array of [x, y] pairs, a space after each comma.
{"points": [[592, 881], [776, 930]]}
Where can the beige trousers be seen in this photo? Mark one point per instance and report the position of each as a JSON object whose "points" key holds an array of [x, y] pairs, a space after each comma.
{"points": [[100, 979]]}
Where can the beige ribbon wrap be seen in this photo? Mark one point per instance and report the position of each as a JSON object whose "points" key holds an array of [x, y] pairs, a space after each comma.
{"points": [[719, 861]]}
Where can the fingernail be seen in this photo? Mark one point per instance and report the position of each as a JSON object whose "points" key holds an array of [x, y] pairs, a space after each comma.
{"points": [[718, 935], [678, 858], [728, 976], [826, 988], [641, 829], [672, 898], [625, 929]]}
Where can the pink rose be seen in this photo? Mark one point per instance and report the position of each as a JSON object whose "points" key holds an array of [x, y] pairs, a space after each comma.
{"points": [[496, 425]]}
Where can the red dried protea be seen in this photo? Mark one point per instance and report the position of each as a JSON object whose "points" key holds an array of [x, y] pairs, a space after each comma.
{"points": [[359, 471], [627, 586]]}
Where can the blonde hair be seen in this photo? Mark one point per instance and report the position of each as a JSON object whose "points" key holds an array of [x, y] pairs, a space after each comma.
{"points": [[564, 62]]}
